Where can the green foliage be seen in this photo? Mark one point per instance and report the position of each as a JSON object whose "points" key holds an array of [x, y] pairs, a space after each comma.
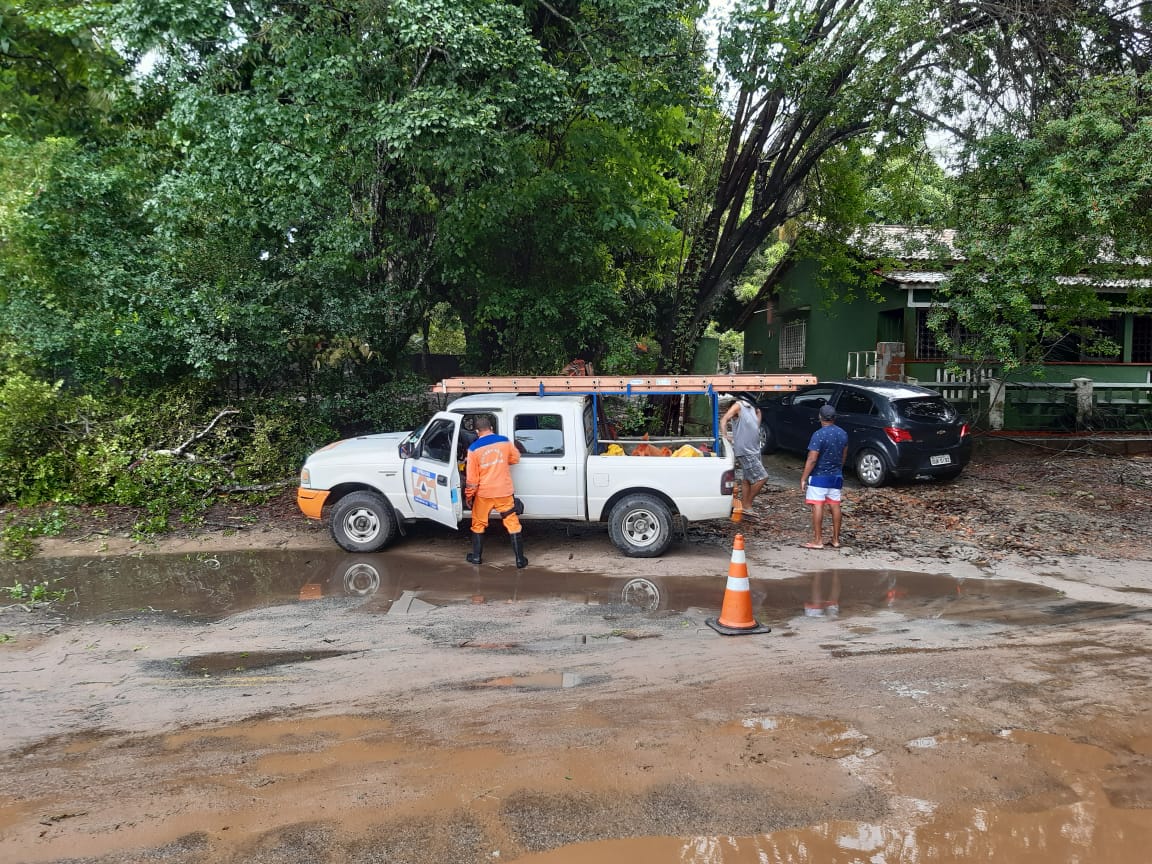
{"points": [[393, 406], [30, 431], [1046, 220], [162, 450], [59, 74], [39, 592], [759, 269], [17, 539], [731, 345], [909, 188]]}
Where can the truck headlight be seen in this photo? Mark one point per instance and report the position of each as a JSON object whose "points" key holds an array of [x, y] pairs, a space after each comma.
{"points": [[305, 478]]}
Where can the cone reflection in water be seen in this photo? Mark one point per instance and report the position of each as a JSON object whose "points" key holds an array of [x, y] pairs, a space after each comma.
{"points": [[736, 613]]}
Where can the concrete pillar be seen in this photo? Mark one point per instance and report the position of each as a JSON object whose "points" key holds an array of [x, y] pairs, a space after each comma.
{"points": [[996, 389], [1083, 389]]}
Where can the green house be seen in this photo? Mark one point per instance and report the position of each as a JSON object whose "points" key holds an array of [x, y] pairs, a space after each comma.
{"points": [[793, 327]]}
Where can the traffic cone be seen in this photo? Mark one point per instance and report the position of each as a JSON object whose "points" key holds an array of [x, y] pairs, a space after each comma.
{"points": [[736, 614]]}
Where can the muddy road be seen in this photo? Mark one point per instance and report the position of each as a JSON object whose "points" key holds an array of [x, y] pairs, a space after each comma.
{"points": [[968, 681], [301, 705]]}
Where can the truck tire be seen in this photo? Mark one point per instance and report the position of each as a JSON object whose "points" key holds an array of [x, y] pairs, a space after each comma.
{"points": [[641, 526], [362, 522]]}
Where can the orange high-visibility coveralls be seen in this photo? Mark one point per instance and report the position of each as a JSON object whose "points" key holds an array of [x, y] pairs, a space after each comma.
{"points": [[488, 481]]}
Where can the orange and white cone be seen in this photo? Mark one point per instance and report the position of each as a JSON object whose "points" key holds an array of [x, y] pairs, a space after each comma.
{"points": [[736, 613]]}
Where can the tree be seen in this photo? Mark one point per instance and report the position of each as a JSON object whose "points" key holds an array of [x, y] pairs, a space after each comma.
{"points": [[812, 79], [511, 159], [1046, 219], [825, 91]]}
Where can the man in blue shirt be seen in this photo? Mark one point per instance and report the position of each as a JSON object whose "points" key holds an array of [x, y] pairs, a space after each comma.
{"points": [[823, 475]]}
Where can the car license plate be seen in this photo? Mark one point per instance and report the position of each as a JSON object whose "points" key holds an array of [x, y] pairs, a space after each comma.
{"points": [[942, 460]]}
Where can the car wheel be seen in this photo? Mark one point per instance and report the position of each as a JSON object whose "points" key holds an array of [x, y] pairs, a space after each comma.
{"points": [[641, 526], [363, 522], [767, 439], [871, 469]]}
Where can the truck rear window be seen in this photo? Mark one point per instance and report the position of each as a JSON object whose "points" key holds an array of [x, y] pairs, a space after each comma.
{"points": [[539, 434]]}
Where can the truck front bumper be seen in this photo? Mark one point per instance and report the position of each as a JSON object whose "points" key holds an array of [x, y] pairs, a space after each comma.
{"points": [[311, 501]]}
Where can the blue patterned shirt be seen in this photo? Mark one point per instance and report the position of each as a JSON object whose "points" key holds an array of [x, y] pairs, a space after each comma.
{"points": [[829, 442]]}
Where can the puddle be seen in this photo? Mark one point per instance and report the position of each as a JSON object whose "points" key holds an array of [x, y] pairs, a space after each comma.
{"points": [[199, 587], [830, 739], [239, 662], [544, 681], [1107, 820]]}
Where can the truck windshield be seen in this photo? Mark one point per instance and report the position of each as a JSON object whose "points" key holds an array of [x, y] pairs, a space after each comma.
{"points": [[414, 436]]}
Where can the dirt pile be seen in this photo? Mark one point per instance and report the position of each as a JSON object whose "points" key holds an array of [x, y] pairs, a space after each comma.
{"points": [[1048, 505]]}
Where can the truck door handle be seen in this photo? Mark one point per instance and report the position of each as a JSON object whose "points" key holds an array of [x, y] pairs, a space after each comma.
{"points": [[559, 469], [441, 480]]}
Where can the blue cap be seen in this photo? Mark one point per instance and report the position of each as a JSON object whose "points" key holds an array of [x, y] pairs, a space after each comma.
{"points": [[827, 412]]}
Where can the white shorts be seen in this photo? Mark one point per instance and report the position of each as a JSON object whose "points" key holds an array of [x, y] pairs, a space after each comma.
{"points": [[818, 495]]}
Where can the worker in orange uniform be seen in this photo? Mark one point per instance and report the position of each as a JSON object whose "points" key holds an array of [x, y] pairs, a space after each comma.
{"points": [[488, 487]]}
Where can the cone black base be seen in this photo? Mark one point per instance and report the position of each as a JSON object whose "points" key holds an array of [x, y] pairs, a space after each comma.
{"points": [[736, 631]]}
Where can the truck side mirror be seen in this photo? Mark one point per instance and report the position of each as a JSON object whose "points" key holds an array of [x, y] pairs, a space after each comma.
{"points": [[406, 450]]}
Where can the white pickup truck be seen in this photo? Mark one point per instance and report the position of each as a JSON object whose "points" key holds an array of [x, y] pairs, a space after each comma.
{"points": [[368, 487]]}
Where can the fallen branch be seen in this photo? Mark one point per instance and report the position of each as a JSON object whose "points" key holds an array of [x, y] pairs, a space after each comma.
{"points": [[259, 487], [179, 451]]}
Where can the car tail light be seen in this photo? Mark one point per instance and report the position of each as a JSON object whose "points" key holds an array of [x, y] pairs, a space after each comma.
{"points": [[728, 482], [897, 435], [963, 430]]}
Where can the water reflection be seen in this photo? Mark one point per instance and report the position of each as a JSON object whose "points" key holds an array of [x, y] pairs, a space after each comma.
{"points": [[824, 601], [1092, 829], [1087, 832], [211, 586]]}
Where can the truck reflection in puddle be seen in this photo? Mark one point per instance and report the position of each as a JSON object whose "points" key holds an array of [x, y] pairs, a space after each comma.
{"points": [[391, 589]]}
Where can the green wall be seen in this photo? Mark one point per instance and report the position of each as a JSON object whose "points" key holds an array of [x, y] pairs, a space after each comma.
{"points": [[835, 328]]}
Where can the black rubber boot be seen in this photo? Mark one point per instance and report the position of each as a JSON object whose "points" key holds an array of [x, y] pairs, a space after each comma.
{"points": [[477, 552], [518, 549]]}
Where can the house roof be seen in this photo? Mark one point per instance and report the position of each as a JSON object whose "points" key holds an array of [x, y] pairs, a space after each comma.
{"points": [[907, 243], [935, 277]]}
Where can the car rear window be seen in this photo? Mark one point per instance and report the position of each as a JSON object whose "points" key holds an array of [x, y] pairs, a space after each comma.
{"points": [[926, 409]]}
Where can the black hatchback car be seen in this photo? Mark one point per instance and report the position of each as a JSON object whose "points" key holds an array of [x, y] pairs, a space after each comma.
{"points": [[895, 430]]}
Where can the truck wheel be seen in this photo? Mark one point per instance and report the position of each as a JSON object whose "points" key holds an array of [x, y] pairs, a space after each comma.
{"points": [[642, 594], [640, 526], [362, 522], [361, 578], [871, 470]]}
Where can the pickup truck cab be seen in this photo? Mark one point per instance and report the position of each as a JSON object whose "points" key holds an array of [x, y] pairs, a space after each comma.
{"points": [[371, 486]]}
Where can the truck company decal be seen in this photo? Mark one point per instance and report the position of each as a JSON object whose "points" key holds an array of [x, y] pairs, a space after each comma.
{"points": [[424, 487]]}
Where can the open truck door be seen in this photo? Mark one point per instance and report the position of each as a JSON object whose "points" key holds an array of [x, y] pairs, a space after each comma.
{"points": [[431, 471]]}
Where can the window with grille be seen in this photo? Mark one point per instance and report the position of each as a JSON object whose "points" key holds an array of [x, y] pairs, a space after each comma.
{"points": [[927, 348], [1107, 328], [926, 345], [793, 335], [1074, 348]]}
